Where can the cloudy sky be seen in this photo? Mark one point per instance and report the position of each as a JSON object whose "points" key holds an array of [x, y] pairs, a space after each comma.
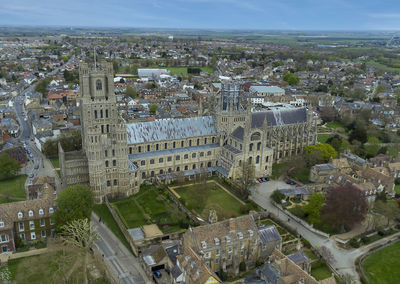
{"points": [[208, 14]]}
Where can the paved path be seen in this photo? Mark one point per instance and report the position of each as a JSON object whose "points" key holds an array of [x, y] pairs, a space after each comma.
{"points": [[122, 263], [344, 259]]}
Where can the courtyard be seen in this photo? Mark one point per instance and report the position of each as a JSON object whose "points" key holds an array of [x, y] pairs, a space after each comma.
{"points": [[203, 197]]}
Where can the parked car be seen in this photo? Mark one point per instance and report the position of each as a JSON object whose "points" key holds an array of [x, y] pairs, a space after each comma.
{"points": [[260, 180], [36, 166], [263, 179], [31, 175], [267, 178], [30, 155], [157, 274], [291, 182]]}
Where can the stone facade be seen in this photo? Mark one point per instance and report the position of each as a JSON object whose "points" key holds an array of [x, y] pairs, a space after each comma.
{"points": [[234, 140]]}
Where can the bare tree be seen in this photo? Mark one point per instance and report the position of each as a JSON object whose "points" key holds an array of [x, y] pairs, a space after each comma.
{"points": [[327, 255]]}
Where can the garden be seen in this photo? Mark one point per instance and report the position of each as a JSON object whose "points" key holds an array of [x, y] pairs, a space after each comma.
{"points": [[201, 198]]}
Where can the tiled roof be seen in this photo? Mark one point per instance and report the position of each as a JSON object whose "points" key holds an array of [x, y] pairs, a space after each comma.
{"points": [[279, 117], [170, 129], [268, 234]]}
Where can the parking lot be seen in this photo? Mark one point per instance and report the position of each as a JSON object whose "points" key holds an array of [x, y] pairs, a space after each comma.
{"points": [[261, 192]]}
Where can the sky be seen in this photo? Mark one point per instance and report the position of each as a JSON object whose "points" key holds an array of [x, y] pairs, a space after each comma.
{"points": [[206, 14]]}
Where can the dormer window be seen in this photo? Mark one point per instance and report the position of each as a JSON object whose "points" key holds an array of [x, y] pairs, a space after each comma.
{"points": [[216, 240], [1, 224], [51, 210], [228, 239], [99, 85], [41, 211], [20, 215], [30, 213], [203, 244], [251, 233], [240, 235]]}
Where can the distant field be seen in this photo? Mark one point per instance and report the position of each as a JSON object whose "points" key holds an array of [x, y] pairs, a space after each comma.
{"points": [[382, 267], [183, 70], [381, 66]]}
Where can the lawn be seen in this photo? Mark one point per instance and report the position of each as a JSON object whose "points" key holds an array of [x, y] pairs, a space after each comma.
{"points": [[201, 198], [320, 271], [14, 187], [276, 171], [183, 70], [322, 138], [151, 206], [56, 164], [383, 266], [397, 189], [102, 211]]}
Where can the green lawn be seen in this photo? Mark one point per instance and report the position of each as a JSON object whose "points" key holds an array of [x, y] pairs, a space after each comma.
{"points": [[151, 206], [322, 138], [383, 266], [183, 70], [14, 187], [320, 271], [334, 124], [397, 189], [200, 198], [102, 211], [55, 162]]}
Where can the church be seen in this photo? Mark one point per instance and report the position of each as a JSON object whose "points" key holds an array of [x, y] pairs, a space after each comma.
{"points": [[234, 141]]}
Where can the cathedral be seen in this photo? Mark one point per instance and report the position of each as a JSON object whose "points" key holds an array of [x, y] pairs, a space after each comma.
{"points": [[117, 157]]}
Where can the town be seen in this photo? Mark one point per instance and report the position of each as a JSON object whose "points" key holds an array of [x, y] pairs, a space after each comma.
{"points": [[185, 158]]}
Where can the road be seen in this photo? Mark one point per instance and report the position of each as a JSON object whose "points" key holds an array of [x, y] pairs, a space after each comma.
{"points": [[119, 259], [344, 260]]}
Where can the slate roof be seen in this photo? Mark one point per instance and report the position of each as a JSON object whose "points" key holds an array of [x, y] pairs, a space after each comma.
{"points": [[172, 151], [238, 133], [267, 89], [269, 234], [277, 117], [298, 257], [325, 167], [232, 149], [161, 130]]}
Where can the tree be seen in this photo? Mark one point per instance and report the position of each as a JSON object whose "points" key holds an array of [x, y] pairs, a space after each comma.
{"points": [[131, 92], [73, 203], [79, 233], [327, 255], [247, 177], [344, 207], [69, 142], [290, 78], [42, 87], [319, 153], [372, 147], [388, 209], [277, 196], [328, 114], [313, 208], [9, 167], [153, 109]]}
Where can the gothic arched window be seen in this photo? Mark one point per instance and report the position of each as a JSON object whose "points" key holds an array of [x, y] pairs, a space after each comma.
{"points": [[98, 85]]}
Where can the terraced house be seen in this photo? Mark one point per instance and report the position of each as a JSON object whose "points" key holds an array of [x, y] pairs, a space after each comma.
{"points": [[233, 139], [28, 220]]}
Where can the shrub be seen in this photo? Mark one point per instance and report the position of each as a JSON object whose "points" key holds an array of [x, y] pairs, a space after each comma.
{"points": [[223, 275], [381, 233], [354, 243], [277, 196], [306, 243], [365, 239], [297, 211]]}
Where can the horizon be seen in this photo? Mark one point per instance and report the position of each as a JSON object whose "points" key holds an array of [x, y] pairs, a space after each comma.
{"points": [[284, 15]]}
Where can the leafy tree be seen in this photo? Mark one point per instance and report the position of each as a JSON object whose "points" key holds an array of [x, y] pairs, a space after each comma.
{"points": [[277, 196], [290, 78], [42, 87], [313, 208], [153, 109], [319, 153], [344, 207], [390, 210], [131, 92], [69, 142], [9, 167], [372, 147], [328, 114], [247, 177], [73, 203]]}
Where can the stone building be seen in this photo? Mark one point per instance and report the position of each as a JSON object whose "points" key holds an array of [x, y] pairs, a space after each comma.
{"points": [[234, 140]]}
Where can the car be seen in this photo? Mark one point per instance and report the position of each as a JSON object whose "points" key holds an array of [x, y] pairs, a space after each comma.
{"points": [[30, 155], [157, 274], [25, 119], [31, 175], [267, 178], [291, 182], [263, 179], [36, 166], [260, 180], [298, 185]]}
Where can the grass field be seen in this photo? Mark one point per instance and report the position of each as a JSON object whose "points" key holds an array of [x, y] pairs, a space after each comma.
{"points": [[56, 164], [183, 70], [334, 125], [14, 187], [320, 271], [381, 66], [397, 189], [322, 138], [102, 211], [383, 266], [151, 206], [200, 198]]}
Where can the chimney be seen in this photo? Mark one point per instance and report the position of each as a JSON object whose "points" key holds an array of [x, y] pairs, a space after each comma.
{"points": [[232, 226]]}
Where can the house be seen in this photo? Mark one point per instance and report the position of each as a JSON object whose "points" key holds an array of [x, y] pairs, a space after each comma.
{"points": [[226, 244], [267, 91], [41, 126], [28, 220]]}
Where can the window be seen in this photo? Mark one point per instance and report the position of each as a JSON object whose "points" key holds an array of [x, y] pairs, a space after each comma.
{"points": [[106, 153], [186, 156], [51, 221], [30, 213], [230, 257], [213, 140], [194, 155], [198, 142], [186, 168], [207, 255], [101, 113], [230, 249], [250, 160], [22, 236], [148, 148], [201, 154], [130, 150], [190, 143], [266, 159], [21, 226], [152, 162], [98, 85], [95, 114], [113, 152], [143, 175], [257, 159], [102, 129], [217, 261], [107, 117], [106, 164], [258, 146], [41, 211], [33, 236], [251, 147], [160, 160], [178, 169], [142, 163], [152, 174], [209, 153], [115, 182], [20, 215], [165, 145], [43, 233], [169, 159], [182, 144], [31, 225], [177, 158], [114, 163], [140, 149], [1, 224], [42, 223], [108, 183], [205, 140], [173, 145], [157, 147], [194, 166], [4, 238]]}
